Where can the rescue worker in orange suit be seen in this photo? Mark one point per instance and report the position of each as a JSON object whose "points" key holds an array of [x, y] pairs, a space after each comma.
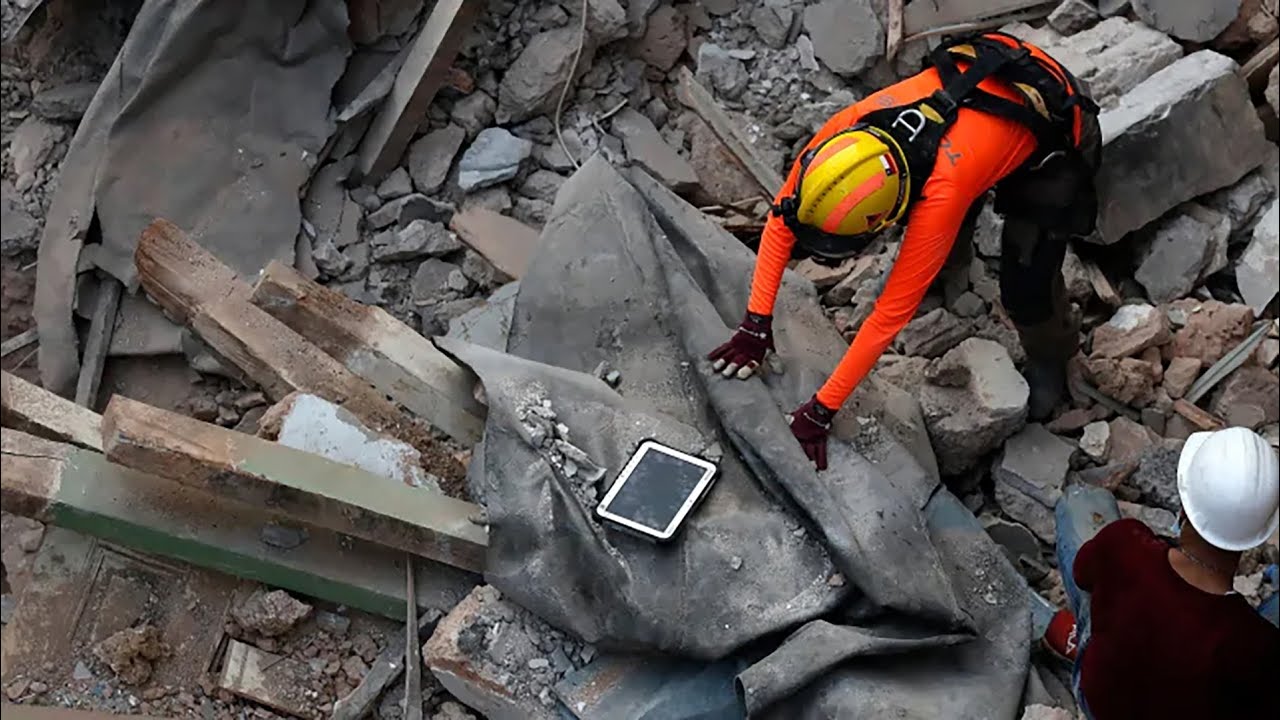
{"points": [[990, 111]]}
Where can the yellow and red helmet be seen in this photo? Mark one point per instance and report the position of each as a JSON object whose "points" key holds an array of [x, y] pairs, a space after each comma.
{"points": [[853, 184]]}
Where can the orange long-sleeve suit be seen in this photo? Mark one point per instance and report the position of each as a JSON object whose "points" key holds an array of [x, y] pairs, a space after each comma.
{"points": [[978, 150]]}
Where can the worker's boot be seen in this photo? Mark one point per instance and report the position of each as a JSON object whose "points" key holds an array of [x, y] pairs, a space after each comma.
{"points": [[1049, 345]]}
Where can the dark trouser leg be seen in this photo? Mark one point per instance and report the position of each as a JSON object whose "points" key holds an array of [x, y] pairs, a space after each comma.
{"points": [[1043, 207], [1034, 295], [954, 276]]}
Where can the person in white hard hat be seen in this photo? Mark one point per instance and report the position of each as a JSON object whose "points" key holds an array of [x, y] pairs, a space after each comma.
{"points": [[1157, 630]]}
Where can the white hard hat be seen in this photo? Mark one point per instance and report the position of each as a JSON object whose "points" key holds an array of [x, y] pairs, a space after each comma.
{"points": [[1229, 482]]}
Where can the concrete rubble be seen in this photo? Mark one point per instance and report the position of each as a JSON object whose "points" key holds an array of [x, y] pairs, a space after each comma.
{"points": [[1184, 267]]}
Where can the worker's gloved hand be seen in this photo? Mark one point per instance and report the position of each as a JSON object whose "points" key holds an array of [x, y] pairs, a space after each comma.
{"points": [[811, 423], [744, 352]]}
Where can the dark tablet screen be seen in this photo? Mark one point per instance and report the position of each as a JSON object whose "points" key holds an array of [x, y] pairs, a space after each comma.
{"points": [[656, 490]]}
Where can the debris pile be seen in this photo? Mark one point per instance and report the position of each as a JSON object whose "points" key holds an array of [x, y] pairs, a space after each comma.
{"points": [[131, 652]]}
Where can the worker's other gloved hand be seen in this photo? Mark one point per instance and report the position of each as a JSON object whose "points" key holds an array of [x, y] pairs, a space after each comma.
{"points": [[811, 423], [744, 352]]}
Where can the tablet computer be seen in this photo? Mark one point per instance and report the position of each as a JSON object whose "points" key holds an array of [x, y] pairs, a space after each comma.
{"points": [[656, 490]]}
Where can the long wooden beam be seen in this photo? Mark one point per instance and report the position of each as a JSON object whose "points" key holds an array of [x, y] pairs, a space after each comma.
{"points": [[696, 98], [80, 490], [379, 348], [192, 285], [303, 486], [35, 410], [424, 72]]}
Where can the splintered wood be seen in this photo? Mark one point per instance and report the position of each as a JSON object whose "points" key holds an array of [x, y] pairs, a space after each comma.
{"points": [[377, 347], [35, 410], [303, 486], [191, 284], [695, 97]]}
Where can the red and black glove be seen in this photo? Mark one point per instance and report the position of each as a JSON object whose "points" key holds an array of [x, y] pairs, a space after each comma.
{"points": [[746, 349], [811, 423]]}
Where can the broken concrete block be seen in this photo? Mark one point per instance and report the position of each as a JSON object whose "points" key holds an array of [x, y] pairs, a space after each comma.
{"points": [[489, 324], [419, 238], [270, 613], [1072, 16], [1026, 510], [1096, 441], [847, 35], [1258, 274], [1180, 374], [865, 267], [1211, 330], [431, 156], [1186, 247], [606, 20], [1199, 21], [487, 652], [1161, 521], [646, 148], [1187, 130], [396, 184], [773, 20], [1132, 329], [720, 70], [31, 148], [1249, 397], [1129, 440], [824, 275], [1242, 202], [1157, 475], [1127, 380], [431, 281], [1035, 462], [65, 103], [664, 38], [19, 230], [933, 334], [315, 425], [533, 83], [494, 157], [402, 211], [968, 421], [1114, 56]]}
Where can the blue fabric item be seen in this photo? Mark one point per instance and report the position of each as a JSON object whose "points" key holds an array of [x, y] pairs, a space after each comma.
{"points": [[1080, 514]]}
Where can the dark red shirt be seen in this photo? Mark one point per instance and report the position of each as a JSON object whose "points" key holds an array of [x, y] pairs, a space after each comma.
{"points": [[1160, 648]]}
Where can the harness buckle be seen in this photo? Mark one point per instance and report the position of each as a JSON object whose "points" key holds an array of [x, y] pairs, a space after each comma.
{"points": [[943, 98]]}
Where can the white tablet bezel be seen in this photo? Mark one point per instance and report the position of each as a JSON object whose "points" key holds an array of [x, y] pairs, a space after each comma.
{"points": [[708, 474]]}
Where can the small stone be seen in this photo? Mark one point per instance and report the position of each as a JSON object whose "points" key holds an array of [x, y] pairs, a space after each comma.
{"points": [[1249, 397], [735, 562], [31, 149], [773, 20], [419, 239], [354, 668], [281, 536], [824, 275], [81, 671], [1180, 375], [402, 211], [1157, 475], [720, 70], [1128, 380], [38, 688], [1096, 441], [836, 580], [968, 305], [1131, 330], [933, 334], [270, 614], [1129, 440], [613, 378], [459, 282], [431, 156], [431, 281], [333, 623], [1072, 16], [472, 113], [494, 157], [663, 41], [539, 664], [1259, 266], [396, 184], [16, 689]]}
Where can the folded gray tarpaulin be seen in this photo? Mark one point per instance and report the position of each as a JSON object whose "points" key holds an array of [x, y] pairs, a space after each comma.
{"points": [[924, 621], [211, 116]]}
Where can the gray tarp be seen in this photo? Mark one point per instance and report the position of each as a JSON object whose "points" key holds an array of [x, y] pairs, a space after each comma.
{"points": [[211, 116], [930, 620]]}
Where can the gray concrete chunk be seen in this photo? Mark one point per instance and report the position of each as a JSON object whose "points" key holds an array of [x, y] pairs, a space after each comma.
{"points": [[431, 156], [1258, 274], [847, 34], [494, 157], [975, 400]]}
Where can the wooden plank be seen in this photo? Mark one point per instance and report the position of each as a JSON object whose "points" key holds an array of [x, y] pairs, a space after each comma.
{"points": [[1257, 68], [506, 242], [925, 15], [424, 72], [413, 653], [893, 29], [696, 97], [277, 681], [35, 410], [1202, 419], [1101, 285], [180, 275], [371, 343], [191, 284], [302, 486], [17, 342], [102, 327], [80, 490]]}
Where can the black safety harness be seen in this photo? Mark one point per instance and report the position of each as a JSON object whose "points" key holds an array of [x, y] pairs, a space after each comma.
{"points": [[1052, 99]]}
